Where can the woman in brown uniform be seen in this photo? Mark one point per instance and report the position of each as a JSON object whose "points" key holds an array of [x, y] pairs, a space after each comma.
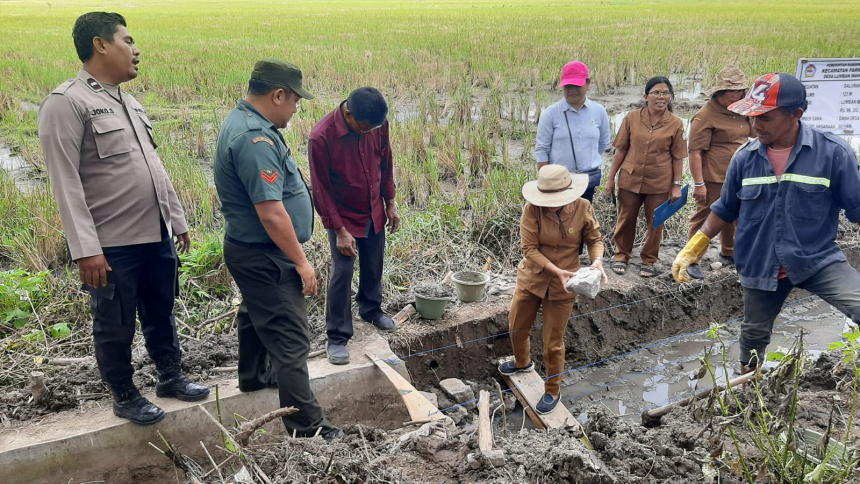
{"points": [[715, 135], [649, 152], [554, 222]]}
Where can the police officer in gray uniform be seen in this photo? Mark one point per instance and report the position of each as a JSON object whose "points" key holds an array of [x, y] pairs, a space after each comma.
{"points": [[119, 213], [268, 214]]}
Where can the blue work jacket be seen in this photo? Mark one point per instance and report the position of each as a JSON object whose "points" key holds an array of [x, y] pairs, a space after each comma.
{"points": [[789, 220]]}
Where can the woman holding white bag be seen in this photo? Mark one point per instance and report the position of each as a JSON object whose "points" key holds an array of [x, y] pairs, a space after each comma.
{"points": [[555, 221]]}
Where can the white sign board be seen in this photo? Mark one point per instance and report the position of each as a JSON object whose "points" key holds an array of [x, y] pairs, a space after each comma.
{"points": [[833, 93]]}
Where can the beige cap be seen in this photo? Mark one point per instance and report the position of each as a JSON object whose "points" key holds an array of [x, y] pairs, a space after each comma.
{"points": [[729, 78]]}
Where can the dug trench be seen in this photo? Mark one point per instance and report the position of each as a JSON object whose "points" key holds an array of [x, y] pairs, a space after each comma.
{"points": [[466, 343], [627, 314]]}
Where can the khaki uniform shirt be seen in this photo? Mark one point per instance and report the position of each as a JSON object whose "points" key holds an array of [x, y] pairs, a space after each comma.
{"points": [[718, 133], [647, 168], [111, 187], [542, 243]]}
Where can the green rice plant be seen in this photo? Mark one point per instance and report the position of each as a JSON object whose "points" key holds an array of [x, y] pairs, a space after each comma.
{"points": [[203, 275], [850, 358], [768, 415]]}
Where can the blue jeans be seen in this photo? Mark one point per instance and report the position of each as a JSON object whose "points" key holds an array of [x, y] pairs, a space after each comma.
{"points": [[838, 284]]}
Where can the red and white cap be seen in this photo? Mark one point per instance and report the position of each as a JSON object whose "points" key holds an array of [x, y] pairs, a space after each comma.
{"points": [[769, 92]]}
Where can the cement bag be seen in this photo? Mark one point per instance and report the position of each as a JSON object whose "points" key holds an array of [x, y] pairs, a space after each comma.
{"points": [[585, 282]]}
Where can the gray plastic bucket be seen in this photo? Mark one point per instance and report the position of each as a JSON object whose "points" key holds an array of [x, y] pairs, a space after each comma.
{"points": [[470, 285]]}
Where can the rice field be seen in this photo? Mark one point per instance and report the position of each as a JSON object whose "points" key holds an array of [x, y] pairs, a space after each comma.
{"points": [[466, 81]]}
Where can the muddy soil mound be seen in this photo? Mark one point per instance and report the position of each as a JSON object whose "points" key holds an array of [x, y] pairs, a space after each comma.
{"points": [[691, 445]]}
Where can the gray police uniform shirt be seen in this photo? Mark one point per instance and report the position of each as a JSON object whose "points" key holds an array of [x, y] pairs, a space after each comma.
{"points": [[253, 164], [110, 185]]}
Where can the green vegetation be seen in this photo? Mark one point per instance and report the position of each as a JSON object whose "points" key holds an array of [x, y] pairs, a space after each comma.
{"points": [[464, 81], [763, 423]]}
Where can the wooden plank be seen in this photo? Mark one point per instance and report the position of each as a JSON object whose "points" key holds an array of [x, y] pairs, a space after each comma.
{"points": [[528, 388], [485, 430], [420, 409]]}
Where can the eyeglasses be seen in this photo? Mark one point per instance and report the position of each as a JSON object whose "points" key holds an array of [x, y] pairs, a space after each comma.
{"points": [[660, 93], [365, 131]]}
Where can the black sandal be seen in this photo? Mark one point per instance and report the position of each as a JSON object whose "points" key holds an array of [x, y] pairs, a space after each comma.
{"points": [[619, 267], [647, 271]]}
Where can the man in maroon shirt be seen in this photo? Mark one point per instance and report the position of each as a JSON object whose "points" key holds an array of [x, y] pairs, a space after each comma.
{"points": [[353, 187]]}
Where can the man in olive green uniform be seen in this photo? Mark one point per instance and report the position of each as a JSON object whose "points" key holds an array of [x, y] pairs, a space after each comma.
{"points": [[119, 213], [268, 213]]}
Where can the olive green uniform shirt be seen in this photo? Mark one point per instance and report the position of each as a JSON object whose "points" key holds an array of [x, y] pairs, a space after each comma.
{"points": [[110, 185], [253, 164]]}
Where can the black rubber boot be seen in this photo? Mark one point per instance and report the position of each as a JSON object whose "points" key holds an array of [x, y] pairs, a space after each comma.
{"points": [[173, 383], [128, 403]]}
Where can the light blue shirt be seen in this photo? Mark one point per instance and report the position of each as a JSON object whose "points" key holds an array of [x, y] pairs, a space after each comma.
{"points": [[590, 130]]}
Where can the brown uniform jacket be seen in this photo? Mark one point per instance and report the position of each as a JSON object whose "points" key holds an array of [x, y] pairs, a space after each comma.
{"points": [[718, 133], [542, 243], [110, 185], [647, 168]]}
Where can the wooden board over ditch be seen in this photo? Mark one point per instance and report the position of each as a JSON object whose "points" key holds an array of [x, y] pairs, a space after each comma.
{"points": [[528, 388], [420, 409]]}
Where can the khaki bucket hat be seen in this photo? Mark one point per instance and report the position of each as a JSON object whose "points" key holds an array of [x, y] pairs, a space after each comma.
{"points": [[729, 78], [555, 187]]}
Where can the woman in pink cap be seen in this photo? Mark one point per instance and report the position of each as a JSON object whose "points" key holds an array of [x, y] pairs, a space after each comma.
{"points": [[574, 132]]}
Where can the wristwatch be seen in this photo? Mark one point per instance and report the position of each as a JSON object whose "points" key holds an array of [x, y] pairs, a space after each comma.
{"points": [[678, 182]]}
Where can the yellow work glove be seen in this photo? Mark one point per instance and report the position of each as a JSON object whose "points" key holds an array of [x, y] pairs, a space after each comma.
{"points": [[693, 251]]}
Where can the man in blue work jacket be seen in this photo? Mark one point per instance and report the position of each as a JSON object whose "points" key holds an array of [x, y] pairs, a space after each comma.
{"points": [[785, 189]]}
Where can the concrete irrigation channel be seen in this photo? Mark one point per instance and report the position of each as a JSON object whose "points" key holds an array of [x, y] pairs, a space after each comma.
{"points": [[629, 314]]}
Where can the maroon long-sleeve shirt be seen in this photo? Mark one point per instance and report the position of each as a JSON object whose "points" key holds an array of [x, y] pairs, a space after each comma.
{"points": [[352, 175]]}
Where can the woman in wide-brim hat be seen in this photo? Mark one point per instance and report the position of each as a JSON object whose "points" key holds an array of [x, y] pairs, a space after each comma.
{"points": [[554, 222], [715, 134]]}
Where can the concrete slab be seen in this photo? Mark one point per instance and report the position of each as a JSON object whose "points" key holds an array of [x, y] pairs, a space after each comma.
{"points": [[97, 446]]}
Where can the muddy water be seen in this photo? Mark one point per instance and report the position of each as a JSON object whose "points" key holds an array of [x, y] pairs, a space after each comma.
{"points": [[653, 377], [16, 167]]}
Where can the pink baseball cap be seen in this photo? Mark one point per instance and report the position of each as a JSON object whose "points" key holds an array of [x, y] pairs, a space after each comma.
{"points": [[574, 73]]}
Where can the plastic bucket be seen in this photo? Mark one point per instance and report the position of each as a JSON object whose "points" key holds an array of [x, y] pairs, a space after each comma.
{"points": [[470, 285], [430, 307]]}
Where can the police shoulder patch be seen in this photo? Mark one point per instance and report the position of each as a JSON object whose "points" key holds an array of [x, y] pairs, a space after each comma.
{"points": [[269, 176], [94, 85], [263, 139]]}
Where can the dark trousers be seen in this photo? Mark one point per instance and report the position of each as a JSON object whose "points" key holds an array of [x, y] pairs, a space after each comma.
{"points": [[338, 310], [143, 283], [589, 193], [837, 283], [273, 331]]}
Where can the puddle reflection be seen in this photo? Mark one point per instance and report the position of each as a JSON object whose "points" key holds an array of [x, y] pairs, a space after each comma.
{"points": [[650, 379]]}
